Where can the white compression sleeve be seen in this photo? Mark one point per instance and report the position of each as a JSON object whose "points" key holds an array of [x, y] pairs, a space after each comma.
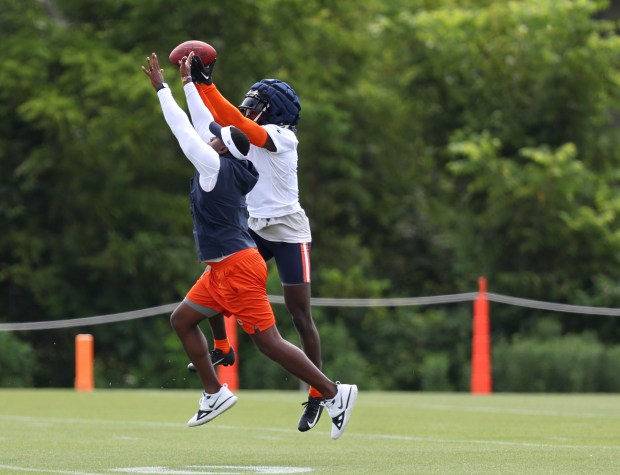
{"points": [[200, 113], [203, 157]]}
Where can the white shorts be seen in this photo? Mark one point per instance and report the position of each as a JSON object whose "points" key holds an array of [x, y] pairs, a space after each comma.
{"points": [[292, 228]]}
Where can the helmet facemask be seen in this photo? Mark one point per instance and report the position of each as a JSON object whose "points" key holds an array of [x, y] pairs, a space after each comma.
{"points": [[257, 102]]}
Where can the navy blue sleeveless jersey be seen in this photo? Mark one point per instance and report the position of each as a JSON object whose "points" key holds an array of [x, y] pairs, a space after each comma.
{"points": [[221, 216]]}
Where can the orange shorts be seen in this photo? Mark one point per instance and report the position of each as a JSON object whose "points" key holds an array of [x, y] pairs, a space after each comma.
{"points": [[236, 286]]}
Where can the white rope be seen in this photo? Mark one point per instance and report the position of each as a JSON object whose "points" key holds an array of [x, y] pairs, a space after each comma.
{"points": [[387, 302], [322, 302], [554, 307], [78, 322]]}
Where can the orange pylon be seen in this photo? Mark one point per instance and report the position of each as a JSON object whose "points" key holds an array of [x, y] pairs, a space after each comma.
{"points": [[84, 362], [230, 374], [481, 343]]}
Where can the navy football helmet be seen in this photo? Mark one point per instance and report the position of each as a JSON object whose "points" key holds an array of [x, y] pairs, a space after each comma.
{"points": [[274, 101]]}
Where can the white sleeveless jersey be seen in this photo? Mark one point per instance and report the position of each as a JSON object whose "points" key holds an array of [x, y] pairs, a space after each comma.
{"points": [[277, 192], [273, 203]]}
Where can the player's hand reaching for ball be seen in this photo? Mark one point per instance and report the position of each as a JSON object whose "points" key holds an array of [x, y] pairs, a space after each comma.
{"points": [[154, 72], [185, 67], [202, 74]]}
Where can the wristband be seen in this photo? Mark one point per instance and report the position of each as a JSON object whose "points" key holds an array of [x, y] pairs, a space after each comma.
{"points": [[161, 86], [186, 78]]}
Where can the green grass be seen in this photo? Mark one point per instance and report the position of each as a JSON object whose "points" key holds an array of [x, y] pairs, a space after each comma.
{"points": [[65, 432]]}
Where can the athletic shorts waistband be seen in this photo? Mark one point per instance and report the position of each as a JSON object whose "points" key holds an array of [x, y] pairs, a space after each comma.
{"points": [[233, 258]]}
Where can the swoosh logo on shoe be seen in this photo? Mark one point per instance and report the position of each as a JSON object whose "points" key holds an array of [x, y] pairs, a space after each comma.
{"points": [[341, 400], [217, 362], [212, 406], [315, 420]]}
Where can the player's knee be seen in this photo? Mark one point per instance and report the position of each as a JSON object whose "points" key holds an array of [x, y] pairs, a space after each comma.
{"points": [[173, 322], [176, 321]]}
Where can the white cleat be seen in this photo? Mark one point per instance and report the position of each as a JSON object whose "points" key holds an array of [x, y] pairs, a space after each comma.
{"points": [[340, 408], [212, 405]]}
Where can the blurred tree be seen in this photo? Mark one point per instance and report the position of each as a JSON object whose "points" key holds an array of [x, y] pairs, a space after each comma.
{"points": [[516, 104], [82, 148]]}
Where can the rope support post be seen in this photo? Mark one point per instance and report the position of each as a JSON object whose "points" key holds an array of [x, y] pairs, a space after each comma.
{"points": [[481, 343]]}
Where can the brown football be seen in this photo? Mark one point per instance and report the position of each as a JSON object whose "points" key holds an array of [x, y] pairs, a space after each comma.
{"points": [[205, 51]]}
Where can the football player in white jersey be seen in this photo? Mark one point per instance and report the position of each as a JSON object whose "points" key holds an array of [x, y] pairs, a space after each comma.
{"points": [[268, 115]]}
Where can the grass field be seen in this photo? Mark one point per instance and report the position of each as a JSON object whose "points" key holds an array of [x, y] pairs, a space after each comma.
{"points": [[143, 432]]}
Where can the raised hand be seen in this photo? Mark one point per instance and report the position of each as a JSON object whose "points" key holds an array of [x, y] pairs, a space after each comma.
{"points": [[202, 74], [154, 72], [185, 67]]}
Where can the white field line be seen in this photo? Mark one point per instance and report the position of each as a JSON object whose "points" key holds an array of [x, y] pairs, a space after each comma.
{"points": [[245, 429], [40, 470], [521, 412], [187, 470]]}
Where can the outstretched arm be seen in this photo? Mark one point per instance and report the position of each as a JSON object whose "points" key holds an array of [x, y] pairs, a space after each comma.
{"points": [[207, 102], [230, 115], [201, 115], [204, 158]]}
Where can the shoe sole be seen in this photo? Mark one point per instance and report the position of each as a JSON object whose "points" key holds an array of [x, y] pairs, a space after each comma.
{"points": [[221, 410], [347, 413], [216, 363]]}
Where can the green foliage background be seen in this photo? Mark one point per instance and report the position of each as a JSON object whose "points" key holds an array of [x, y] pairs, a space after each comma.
{"points": [[439, 141]]}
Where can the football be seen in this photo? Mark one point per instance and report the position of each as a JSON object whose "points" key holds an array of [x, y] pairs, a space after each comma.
{"points": [[205, 51]]}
